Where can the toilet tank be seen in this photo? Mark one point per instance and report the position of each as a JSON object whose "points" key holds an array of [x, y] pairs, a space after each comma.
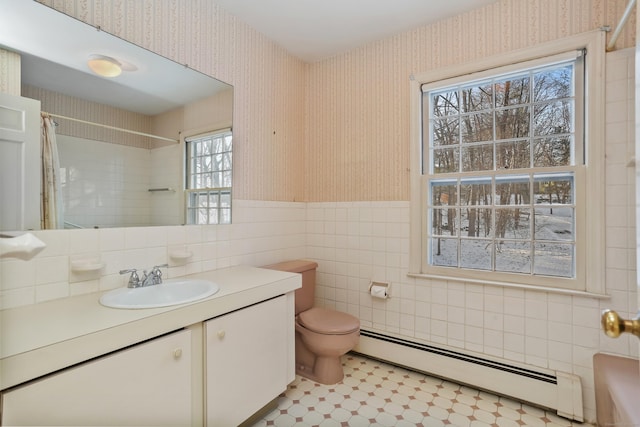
{"points": [[304, 296]]}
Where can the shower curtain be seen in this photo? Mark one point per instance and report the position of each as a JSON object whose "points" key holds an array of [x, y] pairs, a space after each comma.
{"points": [[51, 204]]}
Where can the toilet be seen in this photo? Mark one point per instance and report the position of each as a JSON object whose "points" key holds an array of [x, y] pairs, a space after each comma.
{"points": [[322, 335]]}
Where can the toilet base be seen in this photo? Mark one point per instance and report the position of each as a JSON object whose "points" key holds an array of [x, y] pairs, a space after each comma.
{"points": [[321, 369], [325, 370]]}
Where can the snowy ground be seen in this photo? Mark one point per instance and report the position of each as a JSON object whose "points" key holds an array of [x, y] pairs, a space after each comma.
{"points": [[550, 252]]}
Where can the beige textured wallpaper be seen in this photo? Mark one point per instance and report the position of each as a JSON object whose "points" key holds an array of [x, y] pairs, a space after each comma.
{"points": [[10, 79], [336, 130], [358, 132], [68, 106]]}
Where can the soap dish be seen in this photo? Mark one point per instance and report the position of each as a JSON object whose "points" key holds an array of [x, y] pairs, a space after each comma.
{"points": [[87, 265], [181, 254]]}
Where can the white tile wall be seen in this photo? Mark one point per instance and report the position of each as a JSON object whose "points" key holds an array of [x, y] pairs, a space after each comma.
{"points": [[166, 206], [262, 233], [106, 193]]}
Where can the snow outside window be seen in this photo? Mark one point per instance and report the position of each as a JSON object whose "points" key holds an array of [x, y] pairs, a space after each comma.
{"points": [[208, 180], [504, 165]]}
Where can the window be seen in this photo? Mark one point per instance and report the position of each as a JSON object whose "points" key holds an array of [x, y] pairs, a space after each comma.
{"points": [[209, 176], [504, 165]]}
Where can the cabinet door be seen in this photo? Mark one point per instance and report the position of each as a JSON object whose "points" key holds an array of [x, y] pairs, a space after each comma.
{"points": [[148, 384], [246, 360]]}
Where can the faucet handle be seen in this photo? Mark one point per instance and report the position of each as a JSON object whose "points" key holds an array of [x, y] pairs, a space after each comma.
{"points": [[157, 273], [134, 280]]}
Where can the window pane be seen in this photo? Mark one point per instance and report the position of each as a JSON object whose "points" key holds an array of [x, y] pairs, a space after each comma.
{"points": [[206, 147], [514, 257], [445, 103], [444, 252], [554, 259], [555, 223], [445, 132], [226, 179], [512, 123], [477, 127], [512, 91], [513, 223], [213, 200], [476, 222], [553, 189], [554, 83], [217, 161], [446, 160], [225, 200], [444, 222], [226, 161], [218, 145], [225, 216], [557, 151], [477, 158], [477, 98], [216, 181], [476, 192], [476, 254], [553, 118], [513, 155], [227, 143], [444, 193], [512, 190]]}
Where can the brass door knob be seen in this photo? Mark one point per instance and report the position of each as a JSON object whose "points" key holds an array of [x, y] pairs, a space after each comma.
{"points": [[613, 325]]}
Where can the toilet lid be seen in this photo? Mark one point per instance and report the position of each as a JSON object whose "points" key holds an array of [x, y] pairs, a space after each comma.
{"points": [[325, 321]]}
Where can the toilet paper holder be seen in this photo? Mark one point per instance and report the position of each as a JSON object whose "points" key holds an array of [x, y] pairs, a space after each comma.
{"points": [[380, 289]]}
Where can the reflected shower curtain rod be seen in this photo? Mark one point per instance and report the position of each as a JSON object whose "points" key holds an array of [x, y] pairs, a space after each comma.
{"points": [[112, 127]]}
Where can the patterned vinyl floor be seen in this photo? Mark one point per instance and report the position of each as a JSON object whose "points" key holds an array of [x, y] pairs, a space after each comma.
{"points": [[378, 394]]}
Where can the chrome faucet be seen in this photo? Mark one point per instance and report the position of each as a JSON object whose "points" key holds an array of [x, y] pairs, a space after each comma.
{"points": [[155, 276], [134, 279], [152, 278]]}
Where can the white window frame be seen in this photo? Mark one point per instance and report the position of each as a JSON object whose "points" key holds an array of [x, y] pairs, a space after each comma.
{"points": [[590, 212], [217, 190]]}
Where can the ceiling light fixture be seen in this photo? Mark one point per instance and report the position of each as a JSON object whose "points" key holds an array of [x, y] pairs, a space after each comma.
{"points": [[104, 66]]}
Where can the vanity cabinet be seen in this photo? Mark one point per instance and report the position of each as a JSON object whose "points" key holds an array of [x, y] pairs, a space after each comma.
{"points": [[146, 384], [249, 356]]}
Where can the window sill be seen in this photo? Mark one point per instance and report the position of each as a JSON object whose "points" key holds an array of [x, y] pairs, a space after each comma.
{"points": [[561, 291]]}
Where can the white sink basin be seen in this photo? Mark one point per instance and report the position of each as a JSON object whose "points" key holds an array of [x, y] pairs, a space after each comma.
{"points": [[170, 292]]}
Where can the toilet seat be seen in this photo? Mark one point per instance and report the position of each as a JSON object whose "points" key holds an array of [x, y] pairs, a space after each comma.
{"points": [[328, 322]]}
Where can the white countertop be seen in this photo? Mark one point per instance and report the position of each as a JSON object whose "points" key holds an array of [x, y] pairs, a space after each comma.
{"points": [[43, 338]]}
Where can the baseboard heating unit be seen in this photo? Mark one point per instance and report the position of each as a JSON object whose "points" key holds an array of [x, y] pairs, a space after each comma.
{"points": [[559, 391]]}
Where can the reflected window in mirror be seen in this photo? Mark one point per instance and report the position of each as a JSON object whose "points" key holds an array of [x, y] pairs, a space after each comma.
{"points": [[208, 178]]}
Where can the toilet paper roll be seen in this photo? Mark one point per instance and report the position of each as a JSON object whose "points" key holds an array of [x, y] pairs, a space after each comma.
{"points": [[379, 291]]}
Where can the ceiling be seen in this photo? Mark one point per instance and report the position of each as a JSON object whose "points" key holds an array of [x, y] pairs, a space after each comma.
{"points": [[314, 30]]}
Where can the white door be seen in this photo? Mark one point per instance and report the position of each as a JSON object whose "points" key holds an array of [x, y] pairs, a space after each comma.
{"points": [[19, 163]]}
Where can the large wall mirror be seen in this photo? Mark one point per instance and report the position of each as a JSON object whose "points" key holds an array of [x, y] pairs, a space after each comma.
{"points": [[121, 140]]}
